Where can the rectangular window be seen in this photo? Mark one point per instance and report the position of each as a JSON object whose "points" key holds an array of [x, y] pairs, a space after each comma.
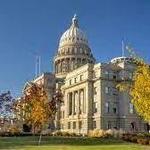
{"points": [[94, 124], [69, 125], [74, 125], [114, 110], [115, 105], [94, 107], [95, 90], [107, 90], [130, 75], [75, 80], [106, 74], [81, 77], [107, 105], [80, 124], [109, 125], [114, 91], [131, 108], [63, 114], [114, 77], [62, 126], [70, 82]]}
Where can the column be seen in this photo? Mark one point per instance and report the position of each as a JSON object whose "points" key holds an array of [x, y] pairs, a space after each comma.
{"points": [[67, 104], [70, 103], [73, 103], [83, 102], [76, 102]]}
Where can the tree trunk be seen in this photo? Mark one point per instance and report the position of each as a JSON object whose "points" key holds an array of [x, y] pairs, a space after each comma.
{"points": [[40, 139]]}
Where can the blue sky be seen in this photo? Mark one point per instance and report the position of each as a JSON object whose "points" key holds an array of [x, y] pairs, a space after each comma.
{"points": [[35, 26]]}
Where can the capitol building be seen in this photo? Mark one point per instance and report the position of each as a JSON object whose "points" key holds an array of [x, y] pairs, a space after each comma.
{"points": [[90, 97]]}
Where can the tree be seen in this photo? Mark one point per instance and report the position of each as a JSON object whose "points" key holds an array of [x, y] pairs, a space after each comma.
{"points": [[34, 107], [139, 89], [6, 105]]}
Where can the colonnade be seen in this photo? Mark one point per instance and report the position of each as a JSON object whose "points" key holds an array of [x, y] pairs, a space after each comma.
{"points": [[69, 64], [76, 102]]}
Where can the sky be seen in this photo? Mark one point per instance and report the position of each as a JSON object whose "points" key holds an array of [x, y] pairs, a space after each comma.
{"points": [[34, 27]]}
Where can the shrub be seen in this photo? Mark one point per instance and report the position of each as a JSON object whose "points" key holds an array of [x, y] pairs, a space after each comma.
{"points": [[57, 133], [72, 134], [97, 133], [133, 139], [65, 134], [139, 138], [115, 133], [143, 141]]}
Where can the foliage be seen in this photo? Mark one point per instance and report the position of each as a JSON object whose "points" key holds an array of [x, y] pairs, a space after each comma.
{"points": [[99, 133], [6, 103], [139, 89], [66, 134], [35, 109], [137, 138]]}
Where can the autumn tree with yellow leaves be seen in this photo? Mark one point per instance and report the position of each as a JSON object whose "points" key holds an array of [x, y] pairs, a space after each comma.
{"points": [[139, 89], [35, 108]]}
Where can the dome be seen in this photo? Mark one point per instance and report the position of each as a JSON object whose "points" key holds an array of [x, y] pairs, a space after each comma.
{"points": [[122, 59], [73, 50], [74, 34]]}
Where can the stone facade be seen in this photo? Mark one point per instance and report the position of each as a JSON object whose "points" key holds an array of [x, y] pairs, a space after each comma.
{"points": [[47, 80], [92, 101]]}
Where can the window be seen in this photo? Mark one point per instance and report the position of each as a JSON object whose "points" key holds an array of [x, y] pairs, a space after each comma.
{"points": [[133, 126], [70, 82], [115, 108], [81, 77], [94, 124], [80, 50], [109, 125], [107, 105], [75, 50], [130, 75], [114, 76], [63, 114], [95, 90], [131, 109], [74, 125], [107, 90], [69, 125], [114, 90], [62, 126], [106, 74], [80, 124], [95, 107], [75, 80]]}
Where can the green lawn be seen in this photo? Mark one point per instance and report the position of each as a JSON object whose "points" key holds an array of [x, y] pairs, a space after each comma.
{"points": [[60, 143]]}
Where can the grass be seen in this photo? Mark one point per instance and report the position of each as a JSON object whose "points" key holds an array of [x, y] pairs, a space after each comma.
{"points": [[66, 143]]}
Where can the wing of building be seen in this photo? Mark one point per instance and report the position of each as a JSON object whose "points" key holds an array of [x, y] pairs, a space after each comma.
{"points": [[91, 99]]}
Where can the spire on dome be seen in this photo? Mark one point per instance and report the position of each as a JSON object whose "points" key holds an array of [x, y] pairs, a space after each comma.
{"points": [[75, 21]]}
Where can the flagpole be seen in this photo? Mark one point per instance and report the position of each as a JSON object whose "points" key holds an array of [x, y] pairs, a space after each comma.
{"points": [[123, 52]]}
